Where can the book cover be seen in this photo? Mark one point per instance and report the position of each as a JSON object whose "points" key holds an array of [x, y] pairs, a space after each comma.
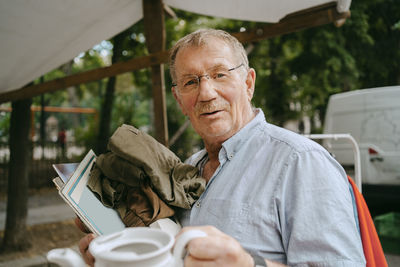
{"points": [[97, 217]]}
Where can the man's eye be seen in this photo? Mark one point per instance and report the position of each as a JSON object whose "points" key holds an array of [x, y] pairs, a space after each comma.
{"points": [[191, 82], [219, 75]]}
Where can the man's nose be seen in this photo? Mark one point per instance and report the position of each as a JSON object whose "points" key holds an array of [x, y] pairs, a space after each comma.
{"points": [[203, 76], [207, 90]]}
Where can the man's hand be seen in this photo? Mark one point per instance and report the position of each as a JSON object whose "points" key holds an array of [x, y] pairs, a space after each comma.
{"points": [[81, 225], [84, 242], [84, 249], [216, 249]]}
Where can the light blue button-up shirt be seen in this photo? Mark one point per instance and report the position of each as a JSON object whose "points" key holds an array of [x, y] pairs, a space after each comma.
{"points": [[282, 196]]}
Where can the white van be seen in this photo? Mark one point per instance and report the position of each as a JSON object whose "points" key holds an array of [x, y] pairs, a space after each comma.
{"points": [[372, 117]]}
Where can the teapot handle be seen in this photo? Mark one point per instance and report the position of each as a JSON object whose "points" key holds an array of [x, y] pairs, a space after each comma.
{"points": [[65, 257], [179, 250]]}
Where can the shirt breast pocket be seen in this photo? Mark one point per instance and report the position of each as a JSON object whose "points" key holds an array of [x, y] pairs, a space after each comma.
{"points": [[229, 216], [253, 227]]}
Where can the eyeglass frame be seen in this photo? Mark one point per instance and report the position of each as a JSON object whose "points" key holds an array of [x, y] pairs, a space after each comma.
{"points": [[208, 76]]}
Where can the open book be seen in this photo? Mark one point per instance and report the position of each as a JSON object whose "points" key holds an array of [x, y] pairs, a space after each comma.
{"points": [[72, 188]]}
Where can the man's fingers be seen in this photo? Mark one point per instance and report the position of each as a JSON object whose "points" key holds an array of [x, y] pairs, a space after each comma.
{"points": [[84, 242], [207, 248], [81, 225], [84, 249], [203, 248], [215, 249], [209, 230], [190, 261]]}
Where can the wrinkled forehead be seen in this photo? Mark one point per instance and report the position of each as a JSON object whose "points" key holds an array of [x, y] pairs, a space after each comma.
{"points": [[204, 56]]}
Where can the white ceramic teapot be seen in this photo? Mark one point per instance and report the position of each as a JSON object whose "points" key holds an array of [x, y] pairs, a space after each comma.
{"points": [[139, 246]]}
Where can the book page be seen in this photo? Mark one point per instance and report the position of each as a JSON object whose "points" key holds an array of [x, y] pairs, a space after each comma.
{"points": [[65, 170], [97, 217]]}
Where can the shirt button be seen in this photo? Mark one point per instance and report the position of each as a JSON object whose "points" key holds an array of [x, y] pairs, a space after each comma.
{"points": [[230, 156], [198, 204]]}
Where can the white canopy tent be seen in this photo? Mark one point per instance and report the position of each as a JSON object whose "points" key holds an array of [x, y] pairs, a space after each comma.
{"points": [[38, 36]]}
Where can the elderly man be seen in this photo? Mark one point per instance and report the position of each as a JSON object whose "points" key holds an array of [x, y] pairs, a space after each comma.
{"points": [[272, 197]]}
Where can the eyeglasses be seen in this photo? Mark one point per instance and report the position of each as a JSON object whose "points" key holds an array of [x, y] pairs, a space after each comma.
{"points": [[218, 76]]}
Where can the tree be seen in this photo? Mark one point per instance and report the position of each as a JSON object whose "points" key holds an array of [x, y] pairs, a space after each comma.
{"points": [[15, 234], [106, 109], [379, 61]]}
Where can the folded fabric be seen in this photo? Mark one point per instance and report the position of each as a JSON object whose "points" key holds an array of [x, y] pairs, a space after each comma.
{"points": [[142, 179], [176, 183], [119, 169], [109, 192], [137, 205], [145, 207]]}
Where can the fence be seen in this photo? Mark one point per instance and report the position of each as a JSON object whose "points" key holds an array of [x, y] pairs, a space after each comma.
{"points": [[40, 168]]}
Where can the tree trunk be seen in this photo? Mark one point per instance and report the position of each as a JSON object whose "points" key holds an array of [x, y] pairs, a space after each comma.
{"points": [[276, 100], [43, 117], [42, 124], [106, 109], [72, 96], [15, 235], [105, 117]]}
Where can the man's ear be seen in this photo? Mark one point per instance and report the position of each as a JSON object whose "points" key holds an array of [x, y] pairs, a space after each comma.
{"points": [[250, 83], [177, 98]]}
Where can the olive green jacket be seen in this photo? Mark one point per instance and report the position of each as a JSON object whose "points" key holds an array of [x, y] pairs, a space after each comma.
{"points": [[135, 159]]}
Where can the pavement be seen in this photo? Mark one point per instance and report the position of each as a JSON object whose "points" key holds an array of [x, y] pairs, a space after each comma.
{"points": [[49, 207], [46, 207]]}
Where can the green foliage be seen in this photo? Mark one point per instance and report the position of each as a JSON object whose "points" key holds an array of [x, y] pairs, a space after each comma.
{"points": [[4, 125], [131, 108], [396, 26], [86, 136], [297, 73], [387, 226], [381, 61]]}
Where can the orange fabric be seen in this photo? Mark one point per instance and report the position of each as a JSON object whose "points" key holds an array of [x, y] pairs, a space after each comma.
{"points": [[373, 251]]}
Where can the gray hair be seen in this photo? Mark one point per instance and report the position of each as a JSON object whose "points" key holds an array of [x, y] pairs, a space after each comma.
{"points": [[199, 38]]}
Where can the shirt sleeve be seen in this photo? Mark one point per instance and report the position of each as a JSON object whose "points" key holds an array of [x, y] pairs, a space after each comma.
{"points": [[316, 213]]}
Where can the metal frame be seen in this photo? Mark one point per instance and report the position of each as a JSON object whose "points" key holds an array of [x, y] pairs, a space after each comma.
{"points": [[356, 150]]}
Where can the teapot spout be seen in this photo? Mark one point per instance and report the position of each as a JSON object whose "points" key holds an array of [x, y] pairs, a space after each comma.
{"points": [[65, 257]]}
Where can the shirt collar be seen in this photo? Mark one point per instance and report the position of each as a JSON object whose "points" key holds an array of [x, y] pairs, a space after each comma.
{"points": [[233, 144]]}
